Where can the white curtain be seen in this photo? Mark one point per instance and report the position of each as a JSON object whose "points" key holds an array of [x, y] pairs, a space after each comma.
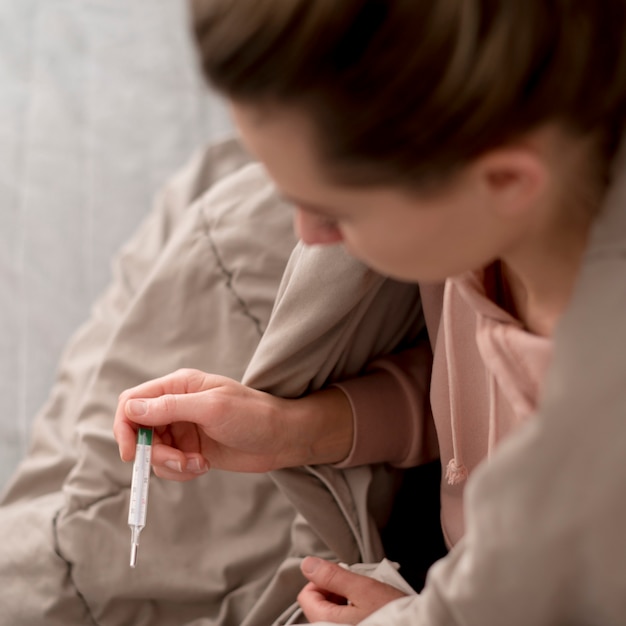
{"points": [[100, 102]]}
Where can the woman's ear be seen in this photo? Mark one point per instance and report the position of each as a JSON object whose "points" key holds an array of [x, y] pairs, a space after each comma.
{"points": [[513, 179]]}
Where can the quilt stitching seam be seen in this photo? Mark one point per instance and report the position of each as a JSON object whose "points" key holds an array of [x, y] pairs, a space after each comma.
{"points": [[229, 276]]}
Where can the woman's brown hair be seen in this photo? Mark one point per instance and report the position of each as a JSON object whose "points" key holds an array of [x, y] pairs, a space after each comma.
{"points": [[406, 91]]}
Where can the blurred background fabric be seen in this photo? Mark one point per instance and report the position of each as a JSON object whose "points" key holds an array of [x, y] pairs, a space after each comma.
{"points": [[100, 102]]}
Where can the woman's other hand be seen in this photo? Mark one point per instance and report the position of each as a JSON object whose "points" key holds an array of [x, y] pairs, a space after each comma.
{"points": [[339, 596]]}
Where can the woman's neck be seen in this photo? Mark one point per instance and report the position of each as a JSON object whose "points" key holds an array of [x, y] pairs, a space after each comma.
{"points": [[538, 278]]}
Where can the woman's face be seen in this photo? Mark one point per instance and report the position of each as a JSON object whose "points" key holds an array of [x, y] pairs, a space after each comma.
{"points": [[398, 234]]}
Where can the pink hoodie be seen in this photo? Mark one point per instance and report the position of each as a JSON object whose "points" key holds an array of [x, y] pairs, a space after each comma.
{"points": [[486, 378]]}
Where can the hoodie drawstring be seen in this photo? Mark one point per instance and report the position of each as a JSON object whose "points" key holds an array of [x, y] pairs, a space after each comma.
{"points": [[493, 423], [456, 472]]}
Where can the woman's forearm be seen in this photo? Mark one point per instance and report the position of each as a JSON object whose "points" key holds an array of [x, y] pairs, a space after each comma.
{"points": [[319, 428]]}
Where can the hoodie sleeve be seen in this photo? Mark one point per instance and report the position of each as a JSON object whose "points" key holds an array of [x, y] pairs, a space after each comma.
{"points": [[391, 409]]}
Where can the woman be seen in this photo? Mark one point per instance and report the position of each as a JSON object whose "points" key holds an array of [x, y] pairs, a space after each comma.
{"points": [[466, 146]]}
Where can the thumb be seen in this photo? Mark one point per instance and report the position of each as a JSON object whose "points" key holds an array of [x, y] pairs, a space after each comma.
{"points": [[330, 576], [166, 409]]}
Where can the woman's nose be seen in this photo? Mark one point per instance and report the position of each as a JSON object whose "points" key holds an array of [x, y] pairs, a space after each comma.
{"points": [[315, 230]]}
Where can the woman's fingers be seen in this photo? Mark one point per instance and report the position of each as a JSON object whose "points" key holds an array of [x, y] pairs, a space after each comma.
{"points": [[179, 382], [232, 426], [124, 429], [320, 605], [125, 433], [332, 577], [168, 409], [335, 594], [172, 464], [177, 397]]}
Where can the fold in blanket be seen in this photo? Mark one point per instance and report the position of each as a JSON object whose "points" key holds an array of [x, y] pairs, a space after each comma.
{"points": [[211, 280]]}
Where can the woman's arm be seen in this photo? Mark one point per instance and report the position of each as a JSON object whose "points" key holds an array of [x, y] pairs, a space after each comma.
{"points": [[203, 420], [391, 408]]}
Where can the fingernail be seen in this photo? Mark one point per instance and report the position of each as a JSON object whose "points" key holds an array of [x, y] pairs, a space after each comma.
{"points": [[174, 465], [310, 564], [136, 408], [194, 465]]}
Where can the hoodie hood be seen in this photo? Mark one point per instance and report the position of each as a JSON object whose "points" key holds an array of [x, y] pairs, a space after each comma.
{"points": [[487, 363]]}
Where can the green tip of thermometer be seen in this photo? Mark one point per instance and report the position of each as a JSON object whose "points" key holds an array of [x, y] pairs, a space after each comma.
{"points": [[139, 490]]}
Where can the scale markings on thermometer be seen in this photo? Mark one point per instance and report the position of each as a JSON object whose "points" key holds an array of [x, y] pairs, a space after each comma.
{"points": [[139, 490]]}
